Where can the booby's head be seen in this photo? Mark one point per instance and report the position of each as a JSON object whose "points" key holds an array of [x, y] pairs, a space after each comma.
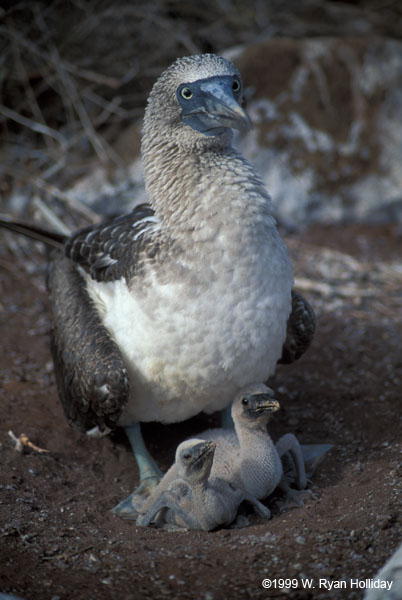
{"points": [[194, 459], [253, 406], [199, 95], [211, 105]]}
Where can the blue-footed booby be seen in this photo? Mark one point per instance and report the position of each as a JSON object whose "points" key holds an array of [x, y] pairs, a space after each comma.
{"points": [[172, 309]]}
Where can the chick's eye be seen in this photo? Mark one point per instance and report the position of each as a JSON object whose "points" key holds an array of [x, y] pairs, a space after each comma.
{"points": [[244, 401], [236, 85], [186, 93]]}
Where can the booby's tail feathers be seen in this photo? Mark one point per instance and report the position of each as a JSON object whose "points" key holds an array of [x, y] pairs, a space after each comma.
{"points": [[50, 238]]}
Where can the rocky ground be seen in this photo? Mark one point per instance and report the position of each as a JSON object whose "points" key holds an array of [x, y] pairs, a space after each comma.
{"points": [[58, 538]]}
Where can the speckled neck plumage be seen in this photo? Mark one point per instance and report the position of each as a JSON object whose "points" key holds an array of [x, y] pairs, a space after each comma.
{"points": [[261, 468], [212, 186]]}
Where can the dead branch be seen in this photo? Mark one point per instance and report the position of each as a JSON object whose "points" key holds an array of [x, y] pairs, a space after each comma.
{"points": [[23, 441]]}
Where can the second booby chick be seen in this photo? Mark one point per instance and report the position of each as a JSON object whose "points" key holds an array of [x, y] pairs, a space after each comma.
{"points": [[190, 497], [247, 466]]}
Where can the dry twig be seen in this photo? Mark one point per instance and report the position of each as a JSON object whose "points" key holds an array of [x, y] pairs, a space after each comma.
{"points": [[23, 441], [66, 555]]}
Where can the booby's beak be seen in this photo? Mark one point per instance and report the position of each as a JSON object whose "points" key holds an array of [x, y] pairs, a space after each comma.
{"points": [[222, 108], [213, 106], [201, 452], [258, 404]]}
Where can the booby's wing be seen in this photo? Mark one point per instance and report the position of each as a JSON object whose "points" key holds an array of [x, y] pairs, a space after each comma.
{"points": [[110, 251], [299, 331], [92, 379], [91, 376]]}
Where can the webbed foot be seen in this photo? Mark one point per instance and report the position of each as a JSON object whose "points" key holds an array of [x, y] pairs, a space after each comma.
{"points": [[313, 454], [240, 522], [131, 507], [293, 498], [150, 476], [262, 511], [259, 508]]}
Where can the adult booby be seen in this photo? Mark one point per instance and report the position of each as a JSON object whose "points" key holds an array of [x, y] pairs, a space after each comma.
{"points": [[171, 309]]}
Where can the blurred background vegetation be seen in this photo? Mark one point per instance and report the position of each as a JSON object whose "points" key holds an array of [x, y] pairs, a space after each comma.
{"points": [[75, 74]]}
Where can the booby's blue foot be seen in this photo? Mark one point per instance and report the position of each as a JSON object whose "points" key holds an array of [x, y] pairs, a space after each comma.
{"points": [[313, 454], [130, 507], [150, 476], [226, 418]]}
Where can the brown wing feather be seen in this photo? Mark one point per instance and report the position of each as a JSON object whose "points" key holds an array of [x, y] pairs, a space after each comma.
{"points": [[91, 377], [111, 250], [300, 329]]}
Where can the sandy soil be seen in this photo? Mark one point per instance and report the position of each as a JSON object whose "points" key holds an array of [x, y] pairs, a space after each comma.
{"points": [[58, 538]]}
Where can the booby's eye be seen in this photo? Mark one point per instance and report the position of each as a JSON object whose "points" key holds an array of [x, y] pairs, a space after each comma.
{"points": [[186, 93], [236, 85], [187, 456]]}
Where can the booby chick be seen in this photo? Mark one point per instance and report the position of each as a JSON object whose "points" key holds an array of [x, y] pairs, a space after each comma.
{"points": [[171, 309], [246, 457], [188, 496]]}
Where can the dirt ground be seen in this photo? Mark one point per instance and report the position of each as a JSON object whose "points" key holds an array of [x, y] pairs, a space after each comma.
{"points": [[58, 538]]}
